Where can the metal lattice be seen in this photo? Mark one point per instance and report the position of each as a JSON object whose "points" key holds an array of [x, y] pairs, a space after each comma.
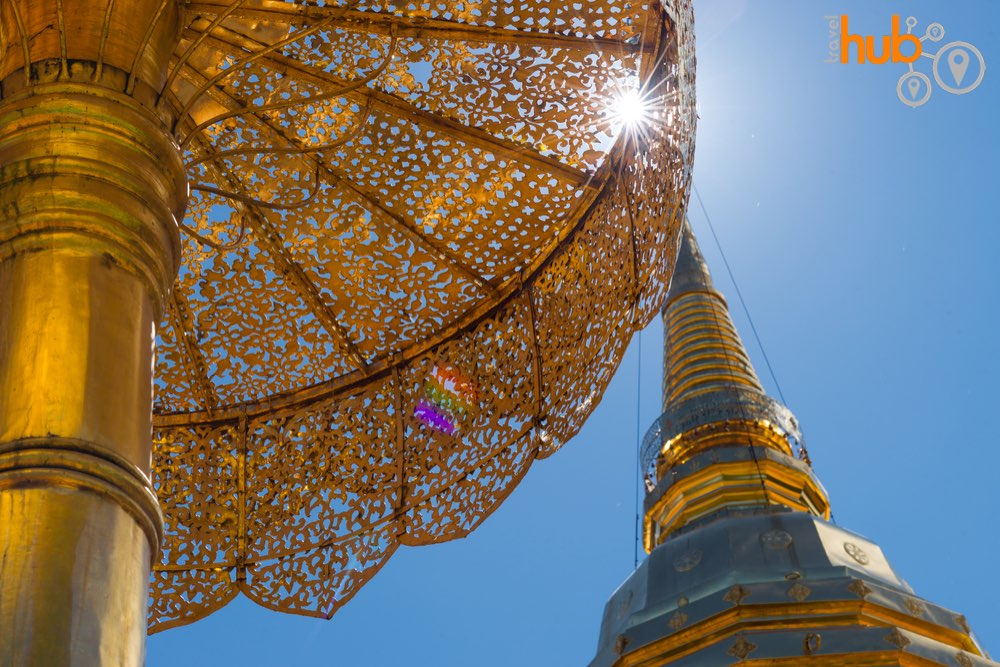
{"points": [[397, 212]]}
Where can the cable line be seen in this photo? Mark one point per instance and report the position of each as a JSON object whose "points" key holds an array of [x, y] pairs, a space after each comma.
{"points": [[739, 294]]}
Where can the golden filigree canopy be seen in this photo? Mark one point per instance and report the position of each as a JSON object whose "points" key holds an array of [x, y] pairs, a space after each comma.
{"points": [[418, 240]]}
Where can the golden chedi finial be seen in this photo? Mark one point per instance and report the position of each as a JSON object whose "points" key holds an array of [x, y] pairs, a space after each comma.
{"points": [[721, 444]]}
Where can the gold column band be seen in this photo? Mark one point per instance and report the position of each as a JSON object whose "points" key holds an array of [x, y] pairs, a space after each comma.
{"points": [[79, 465], [87, 169]]}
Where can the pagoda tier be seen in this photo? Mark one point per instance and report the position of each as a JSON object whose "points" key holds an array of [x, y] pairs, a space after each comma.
{"points": [[744, 566]]}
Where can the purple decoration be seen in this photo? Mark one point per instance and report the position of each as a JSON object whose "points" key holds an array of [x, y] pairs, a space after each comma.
{"points": [[434, 418]]}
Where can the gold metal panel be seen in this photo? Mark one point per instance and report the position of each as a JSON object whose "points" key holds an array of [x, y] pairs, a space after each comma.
{"points": [[378, 193]]}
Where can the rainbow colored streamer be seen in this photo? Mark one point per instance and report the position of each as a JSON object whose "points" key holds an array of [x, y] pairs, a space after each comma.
{"points": [[449, 397]]}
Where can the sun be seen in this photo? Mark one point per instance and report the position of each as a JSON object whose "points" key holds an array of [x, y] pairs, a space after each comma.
{"points": [[632, 109], [636, 112]]}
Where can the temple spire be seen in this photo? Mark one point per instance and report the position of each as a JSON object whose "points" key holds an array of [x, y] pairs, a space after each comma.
{"points": [[690, 271], [744, 566], [702, 350], [722, 444]]}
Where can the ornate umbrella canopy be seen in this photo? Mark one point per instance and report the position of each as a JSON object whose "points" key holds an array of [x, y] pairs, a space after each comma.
{"points": [[419, 238]]}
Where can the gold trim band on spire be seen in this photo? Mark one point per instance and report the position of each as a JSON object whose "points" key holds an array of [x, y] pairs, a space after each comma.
{"points": [[721, 443]]}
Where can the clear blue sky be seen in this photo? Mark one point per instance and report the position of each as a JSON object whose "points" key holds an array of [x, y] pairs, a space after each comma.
{"points": [[865, 236]]}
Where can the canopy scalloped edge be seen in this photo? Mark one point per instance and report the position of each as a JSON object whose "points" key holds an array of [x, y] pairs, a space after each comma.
{"points": [[298, 499]]}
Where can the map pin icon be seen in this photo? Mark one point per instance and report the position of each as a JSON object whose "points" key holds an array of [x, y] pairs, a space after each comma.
{"points": [[914, 86], [958, 63]]}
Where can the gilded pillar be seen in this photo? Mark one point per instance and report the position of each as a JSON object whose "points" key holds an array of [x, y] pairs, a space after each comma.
{"points": [[91, 188]]}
